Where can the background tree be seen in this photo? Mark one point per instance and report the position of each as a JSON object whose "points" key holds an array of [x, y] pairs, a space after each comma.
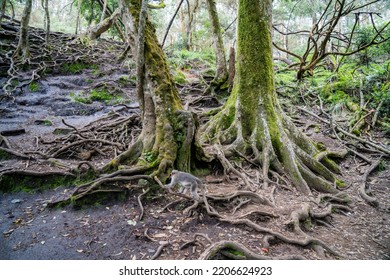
{"points": [[23, 46], [45, 6], [221, 74], [324, 38]]}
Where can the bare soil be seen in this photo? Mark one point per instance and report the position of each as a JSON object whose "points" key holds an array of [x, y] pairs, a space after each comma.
{"points": [[111, 229]]}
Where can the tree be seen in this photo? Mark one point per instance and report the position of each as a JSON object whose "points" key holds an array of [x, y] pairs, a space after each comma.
{"points": [[252, 121], [221, 74], [167, 131], [23, 47]]}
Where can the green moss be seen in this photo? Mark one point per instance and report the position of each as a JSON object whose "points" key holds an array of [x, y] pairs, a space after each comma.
{"points": [[179, 77], [76, 67], [33, 86], [11, 183], [340, 184]]}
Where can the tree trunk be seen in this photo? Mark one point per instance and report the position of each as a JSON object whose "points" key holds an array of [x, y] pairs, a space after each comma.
{"points": [[3, 5], [23, 47], [141, 54], [78, 17], [222, 72], [191, 17], [104, 10], [232, 69], [45, 6], [100, 28], [252, 121], [168, 131]]}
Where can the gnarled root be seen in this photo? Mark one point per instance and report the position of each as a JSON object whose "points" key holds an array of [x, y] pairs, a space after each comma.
{"points": [[275, 145], [240, 252]]}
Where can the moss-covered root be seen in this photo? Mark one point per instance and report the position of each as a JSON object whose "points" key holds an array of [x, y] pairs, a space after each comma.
{"points": [[238, 251]]}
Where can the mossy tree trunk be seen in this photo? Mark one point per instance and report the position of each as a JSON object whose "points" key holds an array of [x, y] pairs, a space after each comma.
{"points": [[221, 74], [23, 47], [252, 121], [168, 131]]}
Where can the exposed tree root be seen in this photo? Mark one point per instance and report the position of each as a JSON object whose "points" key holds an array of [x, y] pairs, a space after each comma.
{"points": [[140, 204], [295, 157], [241, 252], [362, 189]]}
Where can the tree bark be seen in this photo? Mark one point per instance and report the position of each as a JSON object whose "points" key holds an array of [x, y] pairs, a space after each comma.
{"points": [[23, 46], [78, 17], [221, 75], [252, 121], [191, 18]]}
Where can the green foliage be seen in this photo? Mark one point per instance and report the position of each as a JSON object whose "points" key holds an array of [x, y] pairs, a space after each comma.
{"points": [[13, 184], [149, 157], [76, 67], [376, 53], [186, 60], [33, 86], [179, 77], [100, 95]]}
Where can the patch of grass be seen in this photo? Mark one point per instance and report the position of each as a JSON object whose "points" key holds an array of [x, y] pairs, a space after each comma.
{"points": [[77, 67], [179, 77], [100, 95], [33, 86]]}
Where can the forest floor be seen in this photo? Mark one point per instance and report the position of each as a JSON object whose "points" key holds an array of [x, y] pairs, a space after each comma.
{"points": [[111, 229]]}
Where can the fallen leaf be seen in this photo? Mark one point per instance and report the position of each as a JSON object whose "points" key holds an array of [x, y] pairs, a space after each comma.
{"points": [[79, 250], [131, 222]]}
